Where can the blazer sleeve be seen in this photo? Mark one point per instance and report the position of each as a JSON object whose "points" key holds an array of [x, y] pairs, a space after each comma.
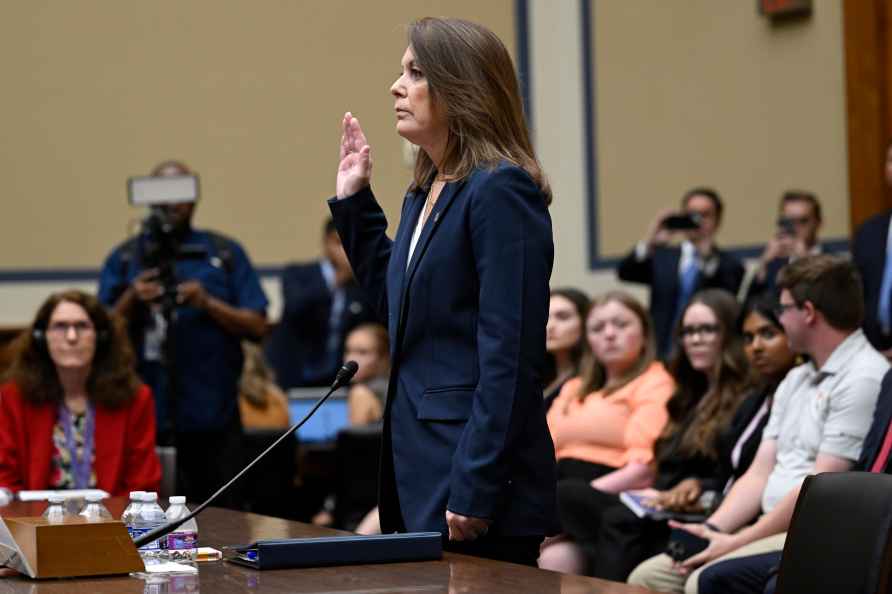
{"points": [[362, 226], [12, 471], [510, 233], [142, 470], [633, 270]]}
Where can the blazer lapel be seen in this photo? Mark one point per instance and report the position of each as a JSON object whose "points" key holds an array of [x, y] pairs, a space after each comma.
{"points": [[430, 226], [398, 259]]}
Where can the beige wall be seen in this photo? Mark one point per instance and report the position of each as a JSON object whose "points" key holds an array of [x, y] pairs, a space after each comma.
{"points": [[248, 93], [251, 94], [693, 93]]}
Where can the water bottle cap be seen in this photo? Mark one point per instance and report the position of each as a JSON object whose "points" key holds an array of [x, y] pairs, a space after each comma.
{"points": [[177, 499], [56, 499], [150, 497], [136, 494], [94, 497]]}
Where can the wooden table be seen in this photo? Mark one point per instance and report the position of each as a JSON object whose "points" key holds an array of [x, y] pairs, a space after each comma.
{"points": [[454, 574]]}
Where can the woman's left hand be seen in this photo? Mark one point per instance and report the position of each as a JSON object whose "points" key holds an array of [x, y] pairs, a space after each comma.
{"points": [[719, 545], [466, 527]]}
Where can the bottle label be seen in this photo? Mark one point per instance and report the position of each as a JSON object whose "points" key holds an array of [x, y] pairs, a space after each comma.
{"points": [[179, 541]]}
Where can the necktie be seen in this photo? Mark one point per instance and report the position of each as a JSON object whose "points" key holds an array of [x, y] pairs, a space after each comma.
{"points": [[879, 464], [884, 310], [687, 284]]}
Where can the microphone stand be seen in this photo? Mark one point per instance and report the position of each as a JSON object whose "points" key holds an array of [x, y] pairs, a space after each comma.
{"points": [[344, 375]]}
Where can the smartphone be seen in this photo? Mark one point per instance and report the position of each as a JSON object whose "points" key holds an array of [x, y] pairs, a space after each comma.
{"points": [[682, 222], [786, 226], [683, 544]]}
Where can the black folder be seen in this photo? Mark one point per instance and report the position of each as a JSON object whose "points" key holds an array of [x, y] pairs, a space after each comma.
{"points": [[338, 550]]}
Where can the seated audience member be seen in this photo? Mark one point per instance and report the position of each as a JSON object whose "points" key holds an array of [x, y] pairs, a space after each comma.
{"points": [[369, 347], [709, 371], [820, 416], [675, 273], [321, 303], [73, 414], [755, 574], [565, 342], [604, 422], [261, 403], [796, 235], [626, 540], [870, 252]]}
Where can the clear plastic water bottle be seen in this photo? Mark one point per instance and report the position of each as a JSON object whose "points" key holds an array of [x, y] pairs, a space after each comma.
{"points": [[94, 510], [130, 514], [182, 543], [56, 512], [151, 516]]}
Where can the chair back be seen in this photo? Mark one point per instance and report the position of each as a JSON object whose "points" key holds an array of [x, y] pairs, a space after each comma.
{"points": [[839, 536], [358, 452]]}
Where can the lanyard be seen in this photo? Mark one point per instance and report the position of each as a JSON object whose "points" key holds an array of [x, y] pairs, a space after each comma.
{"points": [[81, 467]]}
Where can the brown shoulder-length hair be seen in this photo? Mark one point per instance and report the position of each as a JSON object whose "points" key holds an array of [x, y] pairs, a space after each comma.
{"points": [[699, 415], [471, 79], [112, 381], [592, 372]]}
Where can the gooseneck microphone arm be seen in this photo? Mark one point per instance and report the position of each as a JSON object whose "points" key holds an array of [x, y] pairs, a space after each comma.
{"points": [[345, 374]]}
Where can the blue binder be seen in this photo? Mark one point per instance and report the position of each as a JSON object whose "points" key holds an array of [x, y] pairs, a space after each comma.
{"points": [[338, 550]]}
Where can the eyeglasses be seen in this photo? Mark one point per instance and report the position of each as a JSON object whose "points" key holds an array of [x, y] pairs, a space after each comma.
{"points": [[80, 328], [702, 330], [780, 308]]}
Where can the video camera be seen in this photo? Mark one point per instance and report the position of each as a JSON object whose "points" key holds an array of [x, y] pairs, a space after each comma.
{"points": [[159, 242]]}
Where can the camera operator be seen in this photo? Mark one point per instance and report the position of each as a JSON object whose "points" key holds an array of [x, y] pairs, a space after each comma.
{"points": [[675, 272], [796, 235], [190, 296]]}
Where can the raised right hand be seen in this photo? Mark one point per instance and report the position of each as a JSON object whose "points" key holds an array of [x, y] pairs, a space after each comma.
{"points": [[355, 168], [656, 233]]}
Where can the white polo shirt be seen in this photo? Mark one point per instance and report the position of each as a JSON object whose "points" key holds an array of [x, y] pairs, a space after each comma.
{"points": [[822, 411]]}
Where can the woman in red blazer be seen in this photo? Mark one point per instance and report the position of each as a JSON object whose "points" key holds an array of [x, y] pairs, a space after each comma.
{"points": [[74, 414]]}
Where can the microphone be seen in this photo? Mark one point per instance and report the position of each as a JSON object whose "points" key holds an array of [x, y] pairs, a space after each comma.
{"points": [[345, 374]]}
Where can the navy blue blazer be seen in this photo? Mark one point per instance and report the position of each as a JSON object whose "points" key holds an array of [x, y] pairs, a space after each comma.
{"points": [[869, 256], [297, 345], [660, 272], [464, 425]]}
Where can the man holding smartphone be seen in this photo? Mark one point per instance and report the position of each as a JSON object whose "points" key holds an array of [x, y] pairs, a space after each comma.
{"points": [[796, 235], [675, 272], [188, 311]]}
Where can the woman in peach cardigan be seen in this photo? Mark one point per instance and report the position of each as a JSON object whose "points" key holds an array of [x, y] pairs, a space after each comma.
{"points": [[604, 423]]}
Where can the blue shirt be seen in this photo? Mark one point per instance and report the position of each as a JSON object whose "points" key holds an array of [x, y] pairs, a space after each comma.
{"points": [[207, 358]]}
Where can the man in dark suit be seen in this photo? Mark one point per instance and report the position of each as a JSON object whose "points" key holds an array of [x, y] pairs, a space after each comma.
{"points": [[675, 273], [321, 304], [799, 221], [756, 574]]}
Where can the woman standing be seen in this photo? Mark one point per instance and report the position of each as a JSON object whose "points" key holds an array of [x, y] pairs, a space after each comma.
{"points": [[74, 415], [464, 289]]}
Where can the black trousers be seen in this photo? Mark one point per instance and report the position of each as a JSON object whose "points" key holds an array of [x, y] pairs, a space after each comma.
{"points": [[755, 574], [613, 539], [208, 459]]}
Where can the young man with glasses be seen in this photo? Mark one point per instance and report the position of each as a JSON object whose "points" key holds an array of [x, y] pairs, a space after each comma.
{"points": [[796, 235], [820, 416]]}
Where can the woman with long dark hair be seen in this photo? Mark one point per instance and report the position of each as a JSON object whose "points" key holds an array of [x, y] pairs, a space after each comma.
{"points": [[73, 414], [565, 344], [463, 287]]}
